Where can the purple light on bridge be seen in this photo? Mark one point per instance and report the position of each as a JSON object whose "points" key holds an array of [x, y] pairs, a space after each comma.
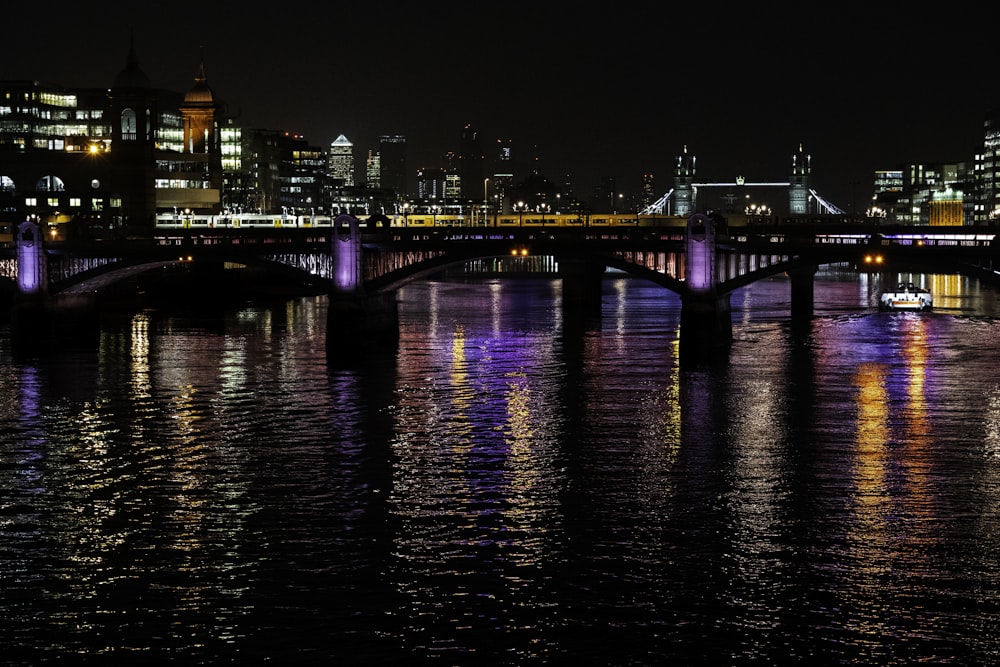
{"points": [[346, 253], [700, 252], [29, 258]]}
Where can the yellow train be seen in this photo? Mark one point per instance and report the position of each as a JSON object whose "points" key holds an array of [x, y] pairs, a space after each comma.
{"points": [[421, 220]]}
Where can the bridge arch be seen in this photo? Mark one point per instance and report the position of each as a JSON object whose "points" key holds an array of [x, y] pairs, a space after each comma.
{"points": [[104, 277]]}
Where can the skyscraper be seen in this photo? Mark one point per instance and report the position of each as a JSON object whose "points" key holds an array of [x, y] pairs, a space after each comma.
{"points": [[988, 173], [392, 148], [373, 170], [470, 167], [340, 161]]}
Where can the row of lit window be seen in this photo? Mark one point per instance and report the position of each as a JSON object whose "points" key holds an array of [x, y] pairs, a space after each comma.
{"points": [[48, 114], [183, 184], [96, 203]]}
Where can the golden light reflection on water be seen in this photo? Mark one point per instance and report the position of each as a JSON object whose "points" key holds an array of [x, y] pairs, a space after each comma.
{"points": [[869, 541], [916, 437], [871, 495], [140, 355], [660, 430], [991, 442], [893, 505]]}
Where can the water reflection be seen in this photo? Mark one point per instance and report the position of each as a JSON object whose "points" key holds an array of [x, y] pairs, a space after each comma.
{"points": [[509, 486]]}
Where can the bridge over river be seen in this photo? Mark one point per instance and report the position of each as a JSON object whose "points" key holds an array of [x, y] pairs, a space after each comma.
{"points": [[361, 264]]}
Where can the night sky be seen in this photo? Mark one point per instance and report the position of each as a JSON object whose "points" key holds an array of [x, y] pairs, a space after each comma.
{"points": [[609, 90]]}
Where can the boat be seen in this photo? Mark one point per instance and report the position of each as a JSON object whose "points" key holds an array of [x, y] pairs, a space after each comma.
{"points": [[906, 296]]}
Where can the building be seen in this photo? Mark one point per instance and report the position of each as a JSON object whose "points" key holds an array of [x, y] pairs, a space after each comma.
{"points": [[987, 179], [470, 167], [392, 152], [340, 160], [927, 193], [190, 179], [373, 170], [300, 176]]}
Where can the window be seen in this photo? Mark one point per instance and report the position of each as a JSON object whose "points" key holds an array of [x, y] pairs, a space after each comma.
{"points": [[128, 124]]}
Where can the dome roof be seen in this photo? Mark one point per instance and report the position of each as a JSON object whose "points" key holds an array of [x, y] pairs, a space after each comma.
{"points": [[200, 93], [131, 76]]}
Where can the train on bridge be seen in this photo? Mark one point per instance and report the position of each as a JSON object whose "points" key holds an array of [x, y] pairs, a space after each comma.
{"points": [[507, 220], [419, 220]]}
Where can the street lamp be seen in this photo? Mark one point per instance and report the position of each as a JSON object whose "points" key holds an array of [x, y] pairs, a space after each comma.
{"points": [[757, 210], [876, 214], [519, 207], [486, 200]]}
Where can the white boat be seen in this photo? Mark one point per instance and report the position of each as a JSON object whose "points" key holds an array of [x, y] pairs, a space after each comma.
{"points": [[906, 296]]}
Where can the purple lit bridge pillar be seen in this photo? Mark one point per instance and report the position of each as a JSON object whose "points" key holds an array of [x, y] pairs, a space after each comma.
{"points": [[41, 321], [355, 316], [706, 316], [32, 271]]}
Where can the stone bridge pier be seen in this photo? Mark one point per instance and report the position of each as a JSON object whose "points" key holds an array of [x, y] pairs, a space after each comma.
{"points": [[353, 314], [706, 315], [582, 281], [42, 322]]}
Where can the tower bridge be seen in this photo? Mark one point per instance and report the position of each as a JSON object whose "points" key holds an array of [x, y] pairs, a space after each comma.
{"points": [[682, 199], [703, 259]]}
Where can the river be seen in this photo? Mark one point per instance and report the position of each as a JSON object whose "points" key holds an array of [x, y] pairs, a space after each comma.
{"points": [[509, 486]]}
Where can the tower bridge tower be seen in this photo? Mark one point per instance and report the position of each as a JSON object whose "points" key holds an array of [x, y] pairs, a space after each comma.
{"points": [[798, 184], [684, 184]]}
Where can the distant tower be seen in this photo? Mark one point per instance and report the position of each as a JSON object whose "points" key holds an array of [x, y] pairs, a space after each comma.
{"points": [[798, 191], [684, 184], [340, 161], [392, 148], [648, 190], [198, 114], [373, 170], [470, 169], [133, 132]]}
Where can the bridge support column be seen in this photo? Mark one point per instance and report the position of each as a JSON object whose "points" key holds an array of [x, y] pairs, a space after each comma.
{"points": [[706, 316], [32, 269], [356, 318], [803, 298], [706, 325], [369, 321], [40, 327], [582, 285]]}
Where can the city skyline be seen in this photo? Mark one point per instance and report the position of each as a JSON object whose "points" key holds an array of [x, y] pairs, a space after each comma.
{"points": [[617, 95]]}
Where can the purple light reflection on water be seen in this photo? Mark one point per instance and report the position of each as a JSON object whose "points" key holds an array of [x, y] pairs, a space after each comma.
{"points": [[511, 487]]}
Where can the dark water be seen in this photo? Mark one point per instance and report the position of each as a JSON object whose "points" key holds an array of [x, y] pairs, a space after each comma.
{"points": [[509, 487]]}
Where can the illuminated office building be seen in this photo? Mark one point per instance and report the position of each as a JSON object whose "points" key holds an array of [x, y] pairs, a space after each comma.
{"points": [[373, 170], [340, 162]]}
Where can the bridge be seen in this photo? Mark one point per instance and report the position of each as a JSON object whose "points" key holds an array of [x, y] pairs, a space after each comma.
{"points": [[360, 264]]}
